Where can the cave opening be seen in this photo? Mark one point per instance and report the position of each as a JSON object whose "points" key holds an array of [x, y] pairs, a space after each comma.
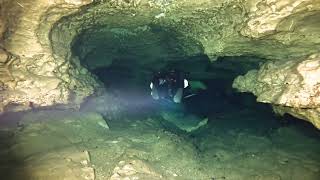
{"points": [[224, 122], [84, 81], [125, 63]]}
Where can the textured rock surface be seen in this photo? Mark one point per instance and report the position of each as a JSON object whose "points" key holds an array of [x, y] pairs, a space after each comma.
{"points": [[136, 169], [43, 42], [292, 87], [143, 149], [30, 73], [155, 31]]}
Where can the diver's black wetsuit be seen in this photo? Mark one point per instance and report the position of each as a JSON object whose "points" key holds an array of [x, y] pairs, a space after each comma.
{"points": [[168, 85]]}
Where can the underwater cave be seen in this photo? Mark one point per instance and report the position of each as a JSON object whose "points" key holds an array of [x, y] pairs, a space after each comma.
{"points": [[90, 89]]}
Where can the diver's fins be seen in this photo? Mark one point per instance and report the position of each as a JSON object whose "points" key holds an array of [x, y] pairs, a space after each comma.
{"points": [[197, 85], [190, 95], [154, 94], [178, 96]]}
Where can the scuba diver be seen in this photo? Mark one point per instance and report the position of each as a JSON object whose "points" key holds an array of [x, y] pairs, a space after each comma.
{"points": [[169, 85]]}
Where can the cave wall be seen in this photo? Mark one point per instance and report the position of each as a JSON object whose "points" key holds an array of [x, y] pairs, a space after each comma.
{"points": [[291, 87], [31, 74], [41, 65]]}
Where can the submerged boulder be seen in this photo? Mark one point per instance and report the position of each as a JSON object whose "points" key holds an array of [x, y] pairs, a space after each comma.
{"points": [[291, 87]]}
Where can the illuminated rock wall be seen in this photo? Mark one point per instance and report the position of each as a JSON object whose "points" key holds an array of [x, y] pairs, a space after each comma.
{"points": [[31, 75], [40, 65], [291, 87]]}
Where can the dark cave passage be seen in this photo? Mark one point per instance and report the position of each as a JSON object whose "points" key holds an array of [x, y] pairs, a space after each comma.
{"points": [[128, 78], [233, 117], [159, 89], [125, 60]]}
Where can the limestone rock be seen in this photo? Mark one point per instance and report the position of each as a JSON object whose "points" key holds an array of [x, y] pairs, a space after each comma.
{"points": [[78, 2], [33, 75], [266, 17], [3, 56], [292, 86], [48, 43], [135, 169], [59, 165]]}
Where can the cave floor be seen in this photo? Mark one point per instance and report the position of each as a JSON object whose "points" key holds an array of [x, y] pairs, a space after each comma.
{"points": [[61, 144]]}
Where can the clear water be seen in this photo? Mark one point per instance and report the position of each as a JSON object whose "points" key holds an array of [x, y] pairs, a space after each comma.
{"points": [[242, 140]]}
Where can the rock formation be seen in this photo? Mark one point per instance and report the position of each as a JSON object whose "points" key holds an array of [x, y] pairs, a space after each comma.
{"points": [[291, 87], [45, 45], [31, 74]]}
